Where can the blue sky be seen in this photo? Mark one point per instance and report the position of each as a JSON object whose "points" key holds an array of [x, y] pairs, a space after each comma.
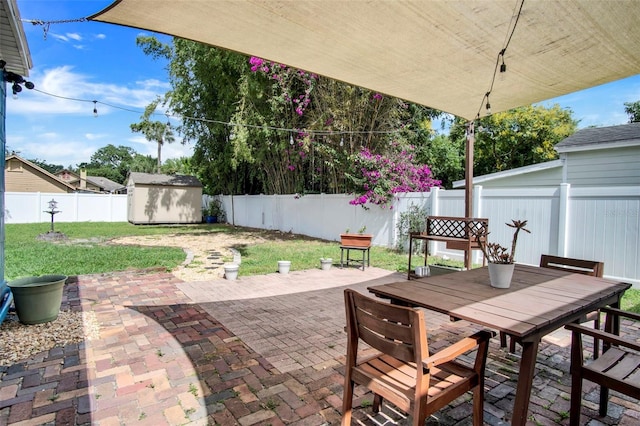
{"points": [[97, 61]]}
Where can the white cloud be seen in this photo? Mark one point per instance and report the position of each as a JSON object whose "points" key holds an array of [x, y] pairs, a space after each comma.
{"points": [[100, 36], [74, 36], [95, 136], [59, 37], [68, 92], [54, 149]]}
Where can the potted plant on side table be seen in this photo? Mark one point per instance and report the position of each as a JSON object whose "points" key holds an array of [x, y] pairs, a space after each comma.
{"points": [[356, 240], [501, 260]]}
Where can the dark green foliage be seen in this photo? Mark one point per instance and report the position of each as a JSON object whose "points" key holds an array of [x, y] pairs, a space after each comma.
{"points": [[633, 111], [516, 138]]}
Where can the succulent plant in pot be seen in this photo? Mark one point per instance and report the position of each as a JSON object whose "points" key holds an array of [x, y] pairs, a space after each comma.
{"points": [[501, 259]]}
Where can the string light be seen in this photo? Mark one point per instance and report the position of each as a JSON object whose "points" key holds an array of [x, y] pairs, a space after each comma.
{"points": [[503, 66], [291, 140], [311, 133], [95, 109], [500, 65]]}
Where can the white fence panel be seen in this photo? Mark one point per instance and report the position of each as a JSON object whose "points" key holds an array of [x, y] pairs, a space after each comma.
{"points": [[605, 226], [538, 206], [31, 207]]}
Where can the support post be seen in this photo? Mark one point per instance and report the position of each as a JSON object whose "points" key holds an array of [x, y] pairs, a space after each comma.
{"points": [[468, 171]]}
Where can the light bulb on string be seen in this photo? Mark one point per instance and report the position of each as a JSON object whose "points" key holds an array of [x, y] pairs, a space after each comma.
{"points": [[291, 140], [488, 104], [503, 67], [342, 141], [95, 109]]}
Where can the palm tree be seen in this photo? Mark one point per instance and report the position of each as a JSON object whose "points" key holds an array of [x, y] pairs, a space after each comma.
{"points": [[154, 130]]}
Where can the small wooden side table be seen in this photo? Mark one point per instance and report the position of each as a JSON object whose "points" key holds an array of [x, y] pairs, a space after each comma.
{"points": [[365, 255]]}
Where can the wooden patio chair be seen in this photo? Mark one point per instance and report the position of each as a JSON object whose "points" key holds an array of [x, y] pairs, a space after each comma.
{"points": [[617, 368], [400, 336], [576, 266]]}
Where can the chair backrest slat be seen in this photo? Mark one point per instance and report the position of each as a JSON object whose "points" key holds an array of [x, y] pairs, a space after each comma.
{"points": [[394, 330], [578, 266]]}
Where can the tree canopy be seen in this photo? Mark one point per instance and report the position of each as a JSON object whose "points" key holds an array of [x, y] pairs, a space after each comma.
{"points": [[633, 111], [516, 138], [262, 127]]}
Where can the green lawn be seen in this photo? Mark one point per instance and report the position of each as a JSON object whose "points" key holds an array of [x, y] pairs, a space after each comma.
{"points": [[88, 251]]}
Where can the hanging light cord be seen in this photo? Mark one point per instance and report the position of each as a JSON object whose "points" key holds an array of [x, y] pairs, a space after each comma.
{"points": [[225, 123], [514, 20]]}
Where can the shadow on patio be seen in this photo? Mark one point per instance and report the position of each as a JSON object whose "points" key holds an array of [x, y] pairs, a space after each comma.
{"points": [[262, 350]]}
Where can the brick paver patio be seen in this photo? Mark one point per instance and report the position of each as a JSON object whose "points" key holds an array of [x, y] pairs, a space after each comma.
{"points": [[264, 350]]}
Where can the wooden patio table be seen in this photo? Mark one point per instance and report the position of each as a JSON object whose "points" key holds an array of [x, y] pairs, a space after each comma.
{"points": [[539, 301]]}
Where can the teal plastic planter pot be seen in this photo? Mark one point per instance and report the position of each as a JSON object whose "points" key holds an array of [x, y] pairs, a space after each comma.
{"points": [[38, 299]]}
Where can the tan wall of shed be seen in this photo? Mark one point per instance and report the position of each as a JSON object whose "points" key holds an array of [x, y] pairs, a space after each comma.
{"points": [[148, 204]]}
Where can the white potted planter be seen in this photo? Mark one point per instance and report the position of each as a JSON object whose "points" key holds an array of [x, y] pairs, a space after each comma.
{"points": [[284, 266], [231, 271], [500, 274], [325, 263]]}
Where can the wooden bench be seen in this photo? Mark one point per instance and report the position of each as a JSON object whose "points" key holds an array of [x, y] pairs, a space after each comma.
{"points": [[459, 233]]}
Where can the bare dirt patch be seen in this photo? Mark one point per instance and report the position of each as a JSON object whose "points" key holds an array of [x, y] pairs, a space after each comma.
{"points": [[206, 252]]}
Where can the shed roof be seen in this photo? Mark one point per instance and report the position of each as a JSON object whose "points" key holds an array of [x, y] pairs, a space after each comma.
{"points": [[163, 180], [601, 138], [442, 54]]}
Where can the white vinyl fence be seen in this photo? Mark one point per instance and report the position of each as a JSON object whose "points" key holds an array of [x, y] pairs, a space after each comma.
{"points": [[30, 207], [598, 223]]}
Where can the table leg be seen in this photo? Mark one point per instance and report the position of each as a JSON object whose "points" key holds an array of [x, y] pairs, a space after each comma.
{"points": [[410, 250], [525, 382], [363, 258], [615, 329], [341, 256]]}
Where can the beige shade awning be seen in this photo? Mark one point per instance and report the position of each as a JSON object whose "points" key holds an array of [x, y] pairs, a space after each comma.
{"points": [[437, 53]]}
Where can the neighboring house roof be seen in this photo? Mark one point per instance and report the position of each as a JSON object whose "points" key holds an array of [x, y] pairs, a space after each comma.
{"points": [[163, 180], [601, 138], [40, 170], [592, 138], [106, 184], [477, 180]]}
